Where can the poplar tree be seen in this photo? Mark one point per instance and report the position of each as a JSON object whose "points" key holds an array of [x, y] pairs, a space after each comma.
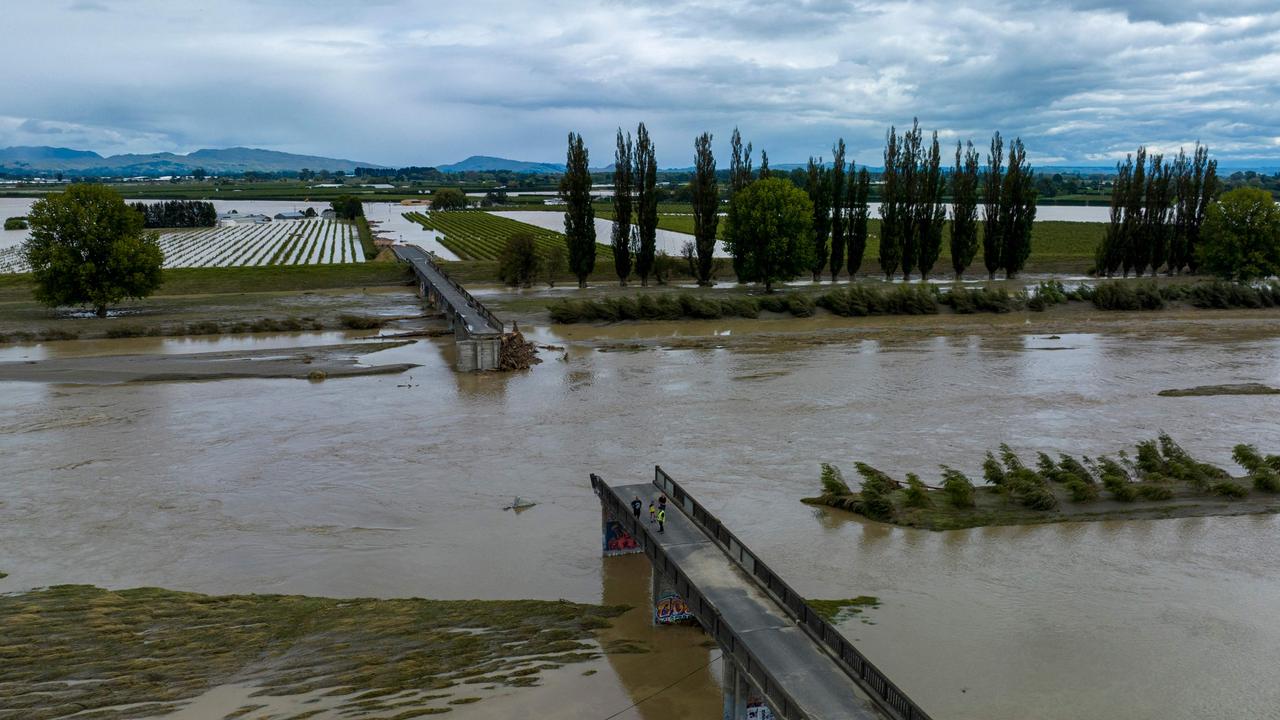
{"points": [[818, 186], [858, 216], [910, 191], [579, 215], [1135, 193], [1017, 210], [992, 184], [890, 207], [706, 207], [739, 178], [1196, 187], [645, 181], [622, 233], [764, 165], [964, 209], [1157, 217], [839, 209], [931, 214], [1110, 253]]}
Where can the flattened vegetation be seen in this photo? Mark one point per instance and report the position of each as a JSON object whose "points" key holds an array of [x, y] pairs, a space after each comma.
{"points": [[1208, 390], [144, 652]]}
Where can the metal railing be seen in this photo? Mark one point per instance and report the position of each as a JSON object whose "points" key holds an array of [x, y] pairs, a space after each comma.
{"points": [[708, 615], [468, 297], [878, 685]]}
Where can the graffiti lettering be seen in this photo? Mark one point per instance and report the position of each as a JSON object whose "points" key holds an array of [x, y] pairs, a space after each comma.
{"points": [[618, 541], [670, 609]]}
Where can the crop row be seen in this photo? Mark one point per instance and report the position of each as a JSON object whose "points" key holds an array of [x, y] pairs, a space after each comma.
{"points": [[283, 242], [290, 242], [474, 235]]}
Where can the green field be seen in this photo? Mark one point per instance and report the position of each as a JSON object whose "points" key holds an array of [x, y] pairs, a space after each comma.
{"points": [[1052, 241], [477, 235]]}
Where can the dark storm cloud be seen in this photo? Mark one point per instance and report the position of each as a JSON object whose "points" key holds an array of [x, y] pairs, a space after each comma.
{"points": [[1083, 81]]}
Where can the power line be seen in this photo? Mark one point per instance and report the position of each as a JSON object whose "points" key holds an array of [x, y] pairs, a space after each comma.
{"points": [[655, 693]]}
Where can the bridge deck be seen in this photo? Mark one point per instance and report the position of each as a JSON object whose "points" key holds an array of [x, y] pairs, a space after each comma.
{"points": [[800, 666], [476, 321]]}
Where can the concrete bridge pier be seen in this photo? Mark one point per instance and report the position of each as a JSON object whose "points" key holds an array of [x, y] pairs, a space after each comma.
{"points": [[741, 700], [668, 607]]}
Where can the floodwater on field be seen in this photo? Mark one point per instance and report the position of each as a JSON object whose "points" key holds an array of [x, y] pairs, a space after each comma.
{"points": [[393, 487], [389, 217]]}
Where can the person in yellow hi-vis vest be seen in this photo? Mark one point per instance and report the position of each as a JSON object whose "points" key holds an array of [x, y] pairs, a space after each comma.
{"points": [[662, 519]]}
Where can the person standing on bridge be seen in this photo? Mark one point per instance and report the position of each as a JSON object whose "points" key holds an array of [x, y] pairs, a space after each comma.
{"points": [[653, 512], [662, 519], [635, 507]]}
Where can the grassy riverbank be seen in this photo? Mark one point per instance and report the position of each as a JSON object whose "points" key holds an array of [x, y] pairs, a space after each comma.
{"points": [[202, 301], [148, 652]]}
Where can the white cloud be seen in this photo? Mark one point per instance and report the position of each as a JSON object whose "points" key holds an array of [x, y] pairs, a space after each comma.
{"points": [[407, 82]]}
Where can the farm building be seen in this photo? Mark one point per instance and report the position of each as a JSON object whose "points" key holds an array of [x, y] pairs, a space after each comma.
{"points": [[235, 218], [291, 215]]}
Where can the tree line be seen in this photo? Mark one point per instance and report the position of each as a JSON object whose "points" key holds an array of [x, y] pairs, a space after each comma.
{"points": [[778, 228], [1158, 210], [177, 214]]}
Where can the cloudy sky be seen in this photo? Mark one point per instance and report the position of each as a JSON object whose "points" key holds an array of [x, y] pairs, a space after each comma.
{"points": [[427, 82]]}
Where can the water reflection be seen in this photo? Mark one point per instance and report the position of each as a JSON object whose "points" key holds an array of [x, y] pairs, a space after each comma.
{"points": [[678, 656]]}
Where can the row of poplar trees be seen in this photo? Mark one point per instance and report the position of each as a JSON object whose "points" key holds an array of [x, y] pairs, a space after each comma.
{"points": [[913, 215], [1157, 209], [635, 201], [912, 212]]}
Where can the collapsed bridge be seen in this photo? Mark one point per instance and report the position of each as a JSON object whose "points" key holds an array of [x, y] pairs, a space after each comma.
{"points": [[477, 332], [781, 658]]}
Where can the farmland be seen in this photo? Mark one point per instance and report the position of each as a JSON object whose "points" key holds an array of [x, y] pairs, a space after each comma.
{"points": [[283, 242], [474, 235]]}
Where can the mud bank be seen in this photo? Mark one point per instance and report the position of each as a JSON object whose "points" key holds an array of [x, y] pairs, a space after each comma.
{"points": [[315, 363]]}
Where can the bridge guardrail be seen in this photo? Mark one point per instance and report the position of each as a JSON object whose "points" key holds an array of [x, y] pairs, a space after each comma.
{"points": [[889, 696], [471, 300], [704, 610]]}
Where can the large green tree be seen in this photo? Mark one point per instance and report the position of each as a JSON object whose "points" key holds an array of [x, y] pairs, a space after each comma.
{"points": [[645, 181], [964, 208], [1241, 236], [447, 199], [706, 207], [771, 225], [839, 209], [818, 185], [859, 214], [579, 215], [350, 207], [87, 247], [621, 238]]}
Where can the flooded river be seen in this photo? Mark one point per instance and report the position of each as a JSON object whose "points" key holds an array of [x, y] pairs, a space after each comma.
{"points": [[394, 486]]}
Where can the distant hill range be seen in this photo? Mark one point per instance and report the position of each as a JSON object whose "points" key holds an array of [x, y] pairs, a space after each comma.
{"points": [[229, 161], [487, 163]]}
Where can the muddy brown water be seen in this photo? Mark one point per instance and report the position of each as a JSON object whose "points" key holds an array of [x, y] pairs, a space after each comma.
{"points": [[394, 486]]}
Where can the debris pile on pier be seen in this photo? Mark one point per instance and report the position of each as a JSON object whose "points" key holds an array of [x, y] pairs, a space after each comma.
{"points": [[517, 353]]}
